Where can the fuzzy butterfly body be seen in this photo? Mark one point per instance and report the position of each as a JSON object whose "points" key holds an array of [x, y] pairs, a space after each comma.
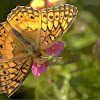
{"points": [[26, 33]]}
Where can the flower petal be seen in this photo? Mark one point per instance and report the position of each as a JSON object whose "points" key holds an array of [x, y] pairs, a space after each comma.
{"points": [[49, 51], [43, 69], [60, 45], [57, 52], [56, 48], [36, 72]]}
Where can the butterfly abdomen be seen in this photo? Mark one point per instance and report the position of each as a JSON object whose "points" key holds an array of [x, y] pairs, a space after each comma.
{"points": [[31, 48]]}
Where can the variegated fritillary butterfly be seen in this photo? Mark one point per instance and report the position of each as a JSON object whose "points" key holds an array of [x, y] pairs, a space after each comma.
{"points": [[24, 35]]}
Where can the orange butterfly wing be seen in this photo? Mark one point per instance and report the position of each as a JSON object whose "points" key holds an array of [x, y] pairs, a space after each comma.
{"points": [[15, 61], [54, 23]]}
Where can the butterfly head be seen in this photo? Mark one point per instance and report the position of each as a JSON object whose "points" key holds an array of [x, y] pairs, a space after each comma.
{"points": [[38, 57]]}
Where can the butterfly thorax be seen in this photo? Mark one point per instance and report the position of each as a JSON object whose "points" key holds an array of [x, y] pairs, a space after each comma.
{"points": [[27, 44]]}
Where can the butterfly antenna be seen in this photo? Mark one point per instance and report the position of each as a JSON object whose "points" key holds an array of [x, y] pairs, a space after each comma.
{"points": [[52, 57]]}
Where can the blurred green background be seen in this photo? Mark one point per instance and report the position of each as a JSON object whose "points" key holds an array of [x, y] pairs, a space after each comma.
{"points": [[77, 74]]}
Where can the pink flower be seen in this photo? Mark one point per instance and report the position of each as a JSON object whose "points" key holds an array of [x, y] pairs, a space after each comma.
{"points": [[35, 70], [0, 59], [38, 69], [56, 48], [49, 3]]}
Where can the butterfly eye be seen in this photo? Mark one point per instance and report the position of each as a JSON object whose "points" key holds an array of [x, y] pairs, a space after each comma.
{"points": [[39, 55], [0, 35]]}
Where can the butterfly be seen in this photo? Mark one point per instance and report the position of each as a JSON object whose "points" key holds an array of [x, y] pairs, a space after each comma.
{"points": [[25, 33]]}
